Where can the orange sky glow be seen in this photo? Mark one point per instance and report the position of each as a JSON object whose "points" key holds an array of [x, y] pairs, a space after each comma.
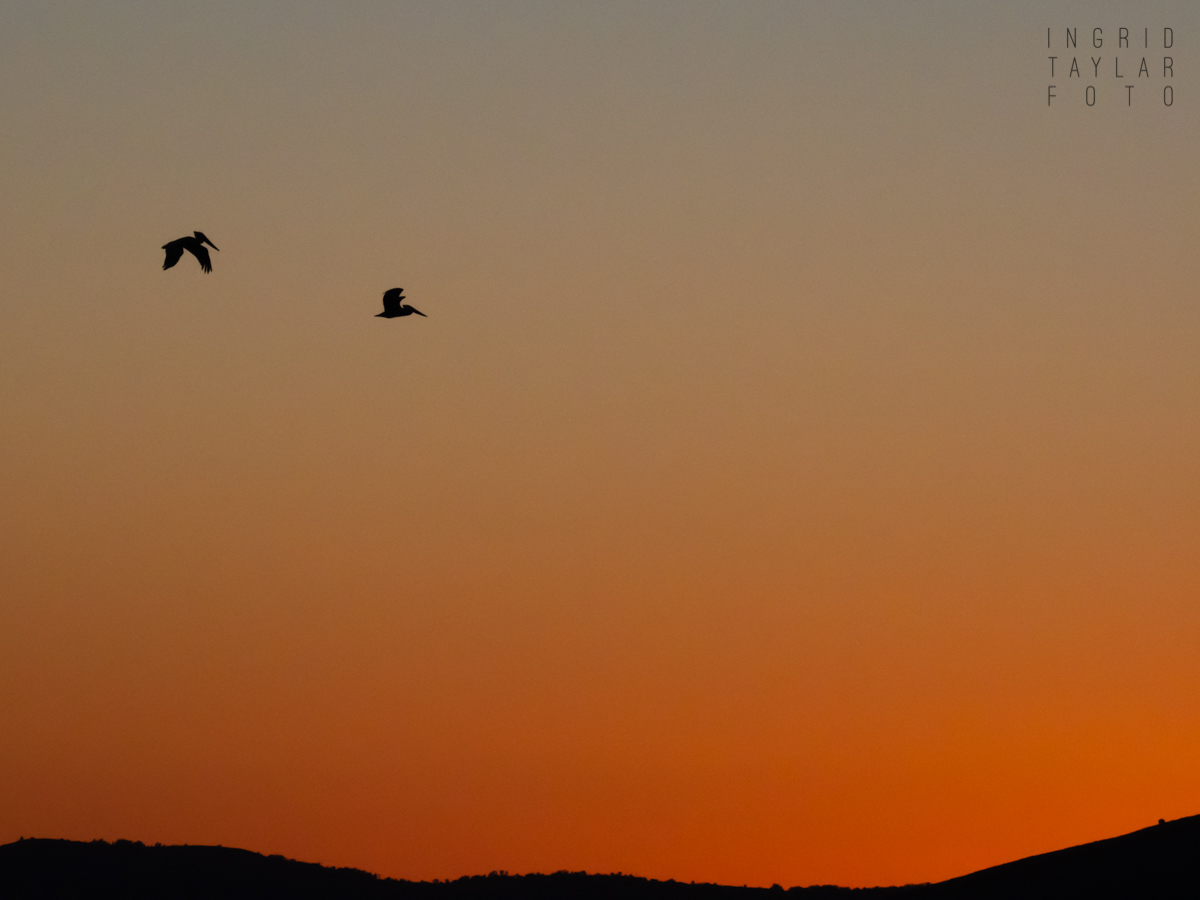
{"points": [[794, 480]]}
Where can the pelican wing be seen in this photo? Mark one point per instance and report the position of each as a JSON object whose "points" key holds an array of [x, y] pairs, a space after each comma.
{"points": [[392, 299], [174, 253], [197, 250]]}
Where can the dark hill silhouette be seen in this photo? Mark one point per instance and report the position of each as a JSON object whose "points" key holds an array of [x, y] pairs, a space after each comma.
{"points": [[1162, 861]]}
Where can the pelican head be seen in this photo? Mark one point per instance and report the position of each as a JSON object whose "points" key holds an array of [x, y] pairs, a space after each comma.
{"points": [[204, 240]]}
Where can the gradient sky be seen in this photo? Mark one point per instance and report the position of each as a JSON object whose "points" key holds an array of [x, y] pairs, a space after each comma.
{"points": [[795, 479]]}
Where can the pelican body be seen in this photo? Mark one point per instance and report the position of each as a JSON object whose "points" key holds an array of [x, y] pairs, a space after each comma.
{"points": [[394, 306], [194, 245]]}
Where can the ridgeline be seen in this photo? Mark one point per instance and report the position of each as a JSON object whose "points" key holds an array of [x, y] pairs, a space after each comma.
{"points": [[1162, 861]]}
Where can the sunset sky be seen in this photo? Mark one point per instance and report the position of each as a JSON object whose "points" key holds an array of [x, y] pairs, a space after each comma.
{"points": [[796, 479]]}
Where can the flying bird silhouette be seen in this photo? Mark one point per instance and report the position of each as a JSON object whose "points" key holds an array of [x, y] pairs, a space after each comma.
{"points": [[194, 245], [394, 305]]}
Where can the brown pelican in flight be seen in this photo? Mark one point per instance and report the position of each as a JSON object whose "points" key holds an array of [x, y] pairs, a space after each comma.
{"points": [[194, 245], [394, 305]]}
